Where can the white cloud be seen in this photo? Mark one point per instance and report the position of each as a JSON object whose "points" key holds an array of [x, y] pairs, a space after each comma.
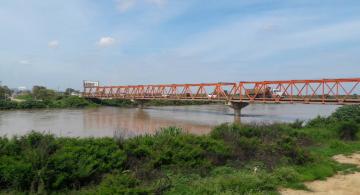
{"points": [[124, 5], [106, 41], [53, 44], [24, 62]]}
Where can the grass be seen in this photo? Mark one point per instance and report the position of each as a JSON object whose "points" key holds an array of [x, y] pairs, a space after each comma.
{"points": [[232, 159]]}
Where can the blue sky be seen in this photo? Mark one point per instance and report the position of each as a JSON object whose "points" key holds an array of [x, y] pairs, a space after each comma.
{"points": [[60, 43]]}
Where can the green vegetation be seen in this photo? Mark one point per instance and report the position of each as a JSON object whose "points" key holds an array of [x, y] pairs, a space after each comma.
{"points": [[57, 102], [5, 92], [41, 97], [129, 103], [232, 159]]}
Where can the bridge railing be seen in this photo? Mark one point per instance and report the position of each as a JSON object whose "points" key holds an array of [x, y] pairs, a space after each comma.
{"points": [[337, 91]]}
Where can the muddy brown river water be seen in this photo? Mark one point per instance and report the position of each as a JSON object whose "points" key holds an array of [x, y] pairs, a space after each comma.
{"points": [[128, 122]]}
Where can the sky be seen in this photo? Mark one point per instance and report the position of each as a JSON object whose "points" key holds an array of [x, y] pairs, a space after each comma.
{"points": [[60, 43]]}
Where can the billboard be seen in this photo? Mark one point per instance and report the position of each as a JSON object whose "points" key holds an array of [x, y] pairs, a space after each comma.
{"points": [[91, 83]]}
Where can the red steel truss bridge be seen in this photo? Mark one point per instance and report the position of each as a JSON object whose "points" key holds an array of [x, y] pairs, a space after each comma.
{"points": [[323, 91]]}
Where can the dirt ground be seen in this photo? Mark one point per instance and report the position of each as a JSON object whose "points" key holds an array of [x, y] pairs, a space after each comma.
{"points": [[336, 185]]}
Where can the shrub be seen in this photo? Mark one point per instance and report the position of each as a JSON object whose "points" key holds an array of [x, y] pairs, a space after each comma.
{"points": [[171, 147], [6, 105], [38, 162], [75, 102], [266, 143], [347, 113], [78, 162], [15, 173], [347, 130], [29, 155], [319, 122], [120, 183], [286, 175], [297, 124], [32, 104]]}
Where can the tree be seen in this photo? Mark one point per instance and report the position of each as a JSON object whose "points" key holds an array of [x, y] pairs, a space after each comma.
{"points": [[5, 92], [68, 91], [41, 93]]}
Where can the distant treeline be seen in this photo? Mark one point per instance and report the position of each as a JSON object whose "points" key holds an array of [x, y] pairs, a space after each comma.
{"points": [[79, 102], [41, 97], [129, 103], [60, 102]]}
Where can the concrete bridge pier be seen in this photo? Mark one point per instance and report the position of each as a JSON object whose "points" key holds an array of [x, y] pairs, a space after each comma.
{"points": [[237, 106]]}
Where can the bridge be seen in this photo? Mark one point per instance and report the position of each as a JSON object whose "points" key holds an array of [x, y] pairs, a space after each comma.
{"points": [[237, 94]]}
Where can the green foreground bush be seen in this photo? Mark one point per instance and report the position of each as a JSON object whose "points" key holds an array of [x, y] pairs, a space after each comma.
{"points": [[39, 163], [232, 159]]}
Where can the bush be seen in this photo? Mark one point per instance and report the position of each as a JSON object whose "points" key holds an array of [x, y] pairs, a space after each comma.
{"points": [[6, 105], [343, 113], [14, 173], [38, 163], [170, 147], [319, 122], [347, 113], [75, 102], [347, 130], [286, 175], [297, 124], [78, 162], [32, 104], [266, 143], [120, 183], [25, 158]]}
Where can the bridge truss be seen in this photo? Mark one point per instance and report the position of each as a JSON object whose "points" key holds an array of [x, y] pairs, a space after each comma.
{"points": [[323, 91]]}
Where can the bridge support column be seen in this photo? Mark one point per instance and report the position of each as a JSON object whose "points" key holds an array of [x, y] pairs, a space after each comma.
{"points": [[237, 106]]}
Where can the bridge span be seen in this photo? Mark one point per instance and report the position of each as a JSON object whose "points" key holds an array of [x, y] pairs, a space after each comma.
{"points": [[237, 94]]}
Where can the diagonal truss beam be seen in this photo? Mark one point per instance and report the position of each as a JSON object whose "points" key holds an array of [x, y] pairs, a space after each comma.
{"points": [[323, 91]]}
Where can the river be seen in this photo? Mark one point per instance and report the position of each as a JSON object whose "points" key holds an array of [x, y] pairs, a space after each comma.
{"points": [[128, 122]]}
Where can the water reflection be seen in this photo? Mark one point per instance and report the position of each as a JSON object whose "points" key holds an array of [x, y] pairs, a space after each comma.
{"points": [[128, 122], [131, 122]]}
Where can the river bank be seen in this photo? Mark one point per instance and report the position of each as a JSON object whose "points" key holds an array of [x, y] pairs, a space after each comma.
{"points": [[62, 102], [231, 159]]}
